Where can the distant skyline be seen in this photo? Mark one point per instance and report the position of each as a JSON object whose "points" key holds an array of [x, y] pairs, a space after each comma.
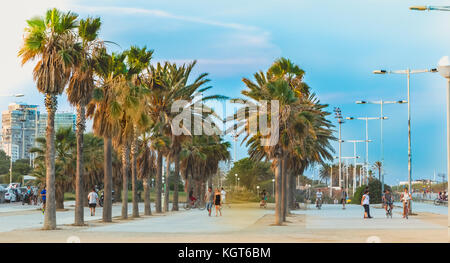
{"points": [[337, 43]]}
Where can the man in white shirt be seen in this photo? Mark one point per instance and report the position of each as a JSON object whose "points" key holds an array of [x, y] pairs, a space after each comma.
{"points": [[318, 197], [93, 199]]}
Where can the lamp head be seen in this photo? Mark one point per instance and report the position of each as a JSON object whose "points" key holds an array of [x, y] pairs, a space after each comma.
{"points": [[350, 118], [361, 102], [418, 8], [402, 101], [444, 67], [380, 71]]}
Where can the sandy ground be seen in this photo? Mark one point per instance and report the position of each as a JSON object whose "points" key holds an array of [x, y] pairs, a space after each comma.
{"points": [[240, 223]]}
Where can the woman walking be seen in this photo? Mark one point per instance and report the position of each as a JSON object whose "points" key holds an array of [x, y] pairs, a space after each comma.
{"points": [[365, 203], [217, 201]]}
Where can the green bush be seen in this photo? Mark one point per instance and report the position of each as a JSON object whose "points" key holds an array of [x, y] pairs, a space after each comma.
{"points": [[374, 192]]}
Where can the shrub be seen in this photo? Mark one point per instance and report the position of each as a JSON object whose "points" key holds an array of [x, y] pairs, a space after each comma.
{"points": [[374, 192]]}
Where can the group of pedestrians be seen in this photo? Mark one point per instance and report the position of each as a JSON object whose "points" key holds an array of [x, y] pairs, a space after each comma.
{"points": [[217, 199]]}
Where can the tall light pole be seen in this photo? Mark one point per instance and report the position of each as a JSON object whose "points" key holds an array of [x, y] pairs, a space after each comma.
{"points": [[444, 70], [273, 187], [381, 103], [346, 172], [354, 155], [235, 182], [408, 73], [367, 134], [338, 115]]}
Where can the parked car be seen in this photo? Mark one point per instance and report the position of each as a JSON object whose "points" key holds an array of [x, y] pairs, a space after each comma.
{"points": [[11, 196], [2, 193]]}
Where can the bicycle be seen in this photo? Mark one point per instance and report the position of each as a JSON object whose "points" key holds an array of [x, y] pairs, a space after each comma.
{"points": [[319, 203], [197, 204], [389, 211], [406, 209], [438, 201]]}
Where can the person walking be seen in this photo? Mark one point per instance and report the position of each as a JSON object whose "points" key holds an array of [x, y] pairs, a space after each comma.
{"points": [[209, 198], [365, 201], [43, 198], [223, 195], [93, 199], [343, 197], [217, 201]]}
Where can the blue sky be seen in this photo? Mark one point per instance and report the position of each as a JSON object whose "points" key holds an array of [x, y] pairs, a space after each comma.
{"points": [[337, 43]]}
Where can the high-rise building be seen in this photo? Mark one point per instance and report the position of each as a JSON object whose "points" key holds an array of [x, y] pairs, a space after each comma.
{"points": [[19, 129], [62, 120]]}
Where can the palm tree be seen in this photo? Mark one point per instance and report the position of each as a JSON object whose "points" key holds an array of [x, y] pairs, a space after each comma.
{"points": [[52, 41], [378, 165], [146, 166], [65, 145], [304, 133], [104, 110], [79, 93], [169, 84]]}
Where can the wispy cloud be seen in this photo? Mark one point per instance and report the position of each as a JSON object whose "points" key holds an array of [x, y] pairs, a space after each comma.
{"points": [[163, 14]]}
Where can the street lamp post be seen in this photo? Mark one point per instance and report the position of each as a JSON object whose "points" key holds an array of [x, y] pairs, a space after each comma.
{"points": [[235, 182], [444, 70], [273, 187], [408, 73], [338, 115], [381, 103], [354, 154], [367, 134], [346, 169]]}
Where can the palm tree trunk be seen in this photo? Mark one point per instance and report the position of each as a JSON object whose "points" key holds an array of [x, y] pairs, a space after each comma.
{"points": [[288, 192], [59, 196], [125, 168], [158, 183], [147, 208], [291, 192], [166, 185], [79, 193], [50, 207], [134, 175], [107, 180], [175, 182], [283, 189], [278, 171]]}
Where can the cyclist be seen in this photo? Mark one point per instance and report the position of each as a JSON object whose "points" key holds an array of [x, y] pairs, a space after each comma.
{"points": [[318, 197], [191, 196], [406, 199], [388, 200]]}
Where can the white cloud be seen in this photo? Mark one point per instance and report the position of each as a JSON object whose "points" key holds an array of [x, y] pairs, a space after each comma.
{"points": [[160, 13]]}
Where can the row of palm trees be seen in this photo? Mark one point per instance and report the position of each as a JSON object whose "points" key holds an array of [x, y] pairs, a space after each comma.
{"points": [[303, 130], [130, 102]]}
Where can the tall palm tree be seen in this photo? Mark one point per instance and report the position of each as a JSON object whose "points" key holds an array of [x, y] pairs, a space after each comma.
{"points": [[79, 93], [138, 60], [104, 110], [50, 40], [301, 124], [146, 165], [169, 84]]}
